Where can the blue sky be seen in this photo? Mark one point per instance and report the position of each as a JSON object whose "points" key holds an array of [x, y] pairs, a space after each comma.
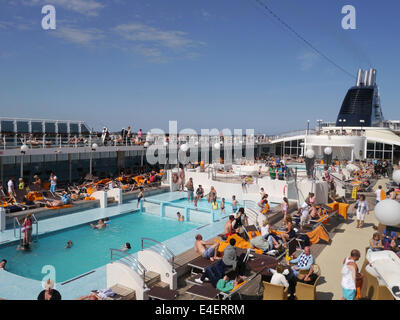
{"points": [[207, 64]]}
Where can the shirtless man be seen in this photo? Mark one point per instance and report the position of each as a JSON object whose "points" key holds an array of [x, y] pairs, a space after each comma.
{"points": [[100, 225], [181, 179], [228, 230], [199, 194], [207, 253]]}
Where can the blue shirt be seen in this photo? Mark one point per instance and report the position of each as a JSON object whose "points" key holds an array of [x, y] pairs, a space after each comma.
{"points": [[303, 261]]}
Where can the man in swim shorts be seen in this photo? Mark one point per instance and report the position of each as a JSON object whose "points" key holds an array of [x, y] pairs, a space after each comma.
{"points": [[207, 253]]}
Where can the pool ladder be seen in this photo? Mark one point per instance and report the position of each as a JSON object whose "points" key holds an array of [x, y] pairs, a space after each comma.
{"points": [[17, 223]]}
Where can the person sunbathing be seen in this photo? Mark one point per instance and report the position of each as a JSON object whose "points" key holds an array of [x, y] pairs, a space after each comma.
{"points": [[209, 253], [54, 203], [263, 242], [289, 233], [228, 229], [226, 285], [91, 296]]}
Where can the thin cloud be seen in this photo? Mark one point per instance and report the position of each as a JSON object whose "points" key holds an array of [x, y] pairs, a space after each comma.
{"points": [[173, 39], [86, 7], [158, 46], [78, 35], [307, 60]]}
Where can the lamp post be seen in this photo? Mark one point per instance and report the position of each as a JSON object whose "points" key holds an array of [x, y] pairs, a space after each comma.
{"points": [[328, 155], [342, 122], [361, 123], [93, 148], [319, 124], [308, 126], [24, 149]]}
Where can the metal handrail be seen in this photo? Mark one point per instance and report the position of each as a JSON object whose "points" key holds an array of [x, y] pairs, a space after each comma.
{"points": [[19, 225], [164, 249], [35, 221], [253, 206], [130, 261]]}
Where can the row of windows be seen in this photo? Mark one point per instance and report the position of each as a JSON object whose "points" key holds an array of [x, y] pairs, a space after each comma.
{"points": [[31, 126], [379, 146], [64, 157], [379, 155]]}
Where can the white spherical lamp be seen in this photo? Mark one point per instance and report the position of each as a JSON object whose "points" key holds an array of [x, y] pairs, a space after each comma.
{"points": [[387, 212], [184, 147], [396, 176], [217, 146], [24, 148], [310, 153], [94, 146], [146, 144], [328, 151]]}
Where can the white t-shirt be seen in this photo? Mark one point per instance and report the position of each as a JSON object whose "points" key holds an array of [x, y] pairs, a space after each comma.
{"points": [[53, 181], [265, 230], [10, 185], [305, 210], [278, 279], [378, 194]]}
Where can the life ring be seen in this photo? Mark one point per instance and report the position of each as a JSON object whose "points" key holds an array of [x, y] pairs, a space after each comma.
{"points": [[175, 178]]}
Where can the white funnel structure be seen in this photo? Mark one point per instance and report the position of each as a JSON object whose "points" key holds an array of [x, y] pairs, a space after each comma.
{"points": [[359, 77]]}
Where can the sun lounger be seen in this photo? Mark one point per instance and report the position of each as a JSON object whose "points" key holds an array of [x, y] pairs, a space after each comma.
{"points": [[250, 228], [205, 291], [122, 293], [200, 264], [159, 293]]}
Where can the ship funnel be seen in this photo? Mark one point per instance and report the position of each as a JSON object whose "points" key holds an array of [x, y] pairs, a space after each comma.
{"points": [[366, 72], [370, 76], [373, 80], [359, 77]]}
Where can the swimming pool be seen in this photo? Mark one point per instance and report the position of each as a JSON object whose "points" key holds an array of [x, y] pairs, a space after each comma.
{"points": [[168, 204], [91, 248]]}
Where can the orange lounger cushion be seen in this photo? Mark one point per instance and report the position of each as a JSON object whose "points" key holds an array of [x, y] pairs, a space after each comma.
{"points": [[318, 234], [60, 207], [90, 198], [240, 243]]}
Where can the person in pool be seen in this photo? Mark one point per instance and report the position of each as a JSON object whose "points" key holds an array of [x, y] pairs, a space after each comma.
{"points": [[214, 204], [69, 244], [140, 196], [3, 264], [107, 221], [180, 217], [199, 194], [222, 205], [126, 247], [207, 253], [100, 225], [235, 204]]}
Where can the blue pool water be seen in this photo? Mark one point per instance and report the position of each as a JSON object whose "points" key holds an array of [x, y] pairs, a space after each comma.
{"points": [[91, 248], [204, 204]]}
